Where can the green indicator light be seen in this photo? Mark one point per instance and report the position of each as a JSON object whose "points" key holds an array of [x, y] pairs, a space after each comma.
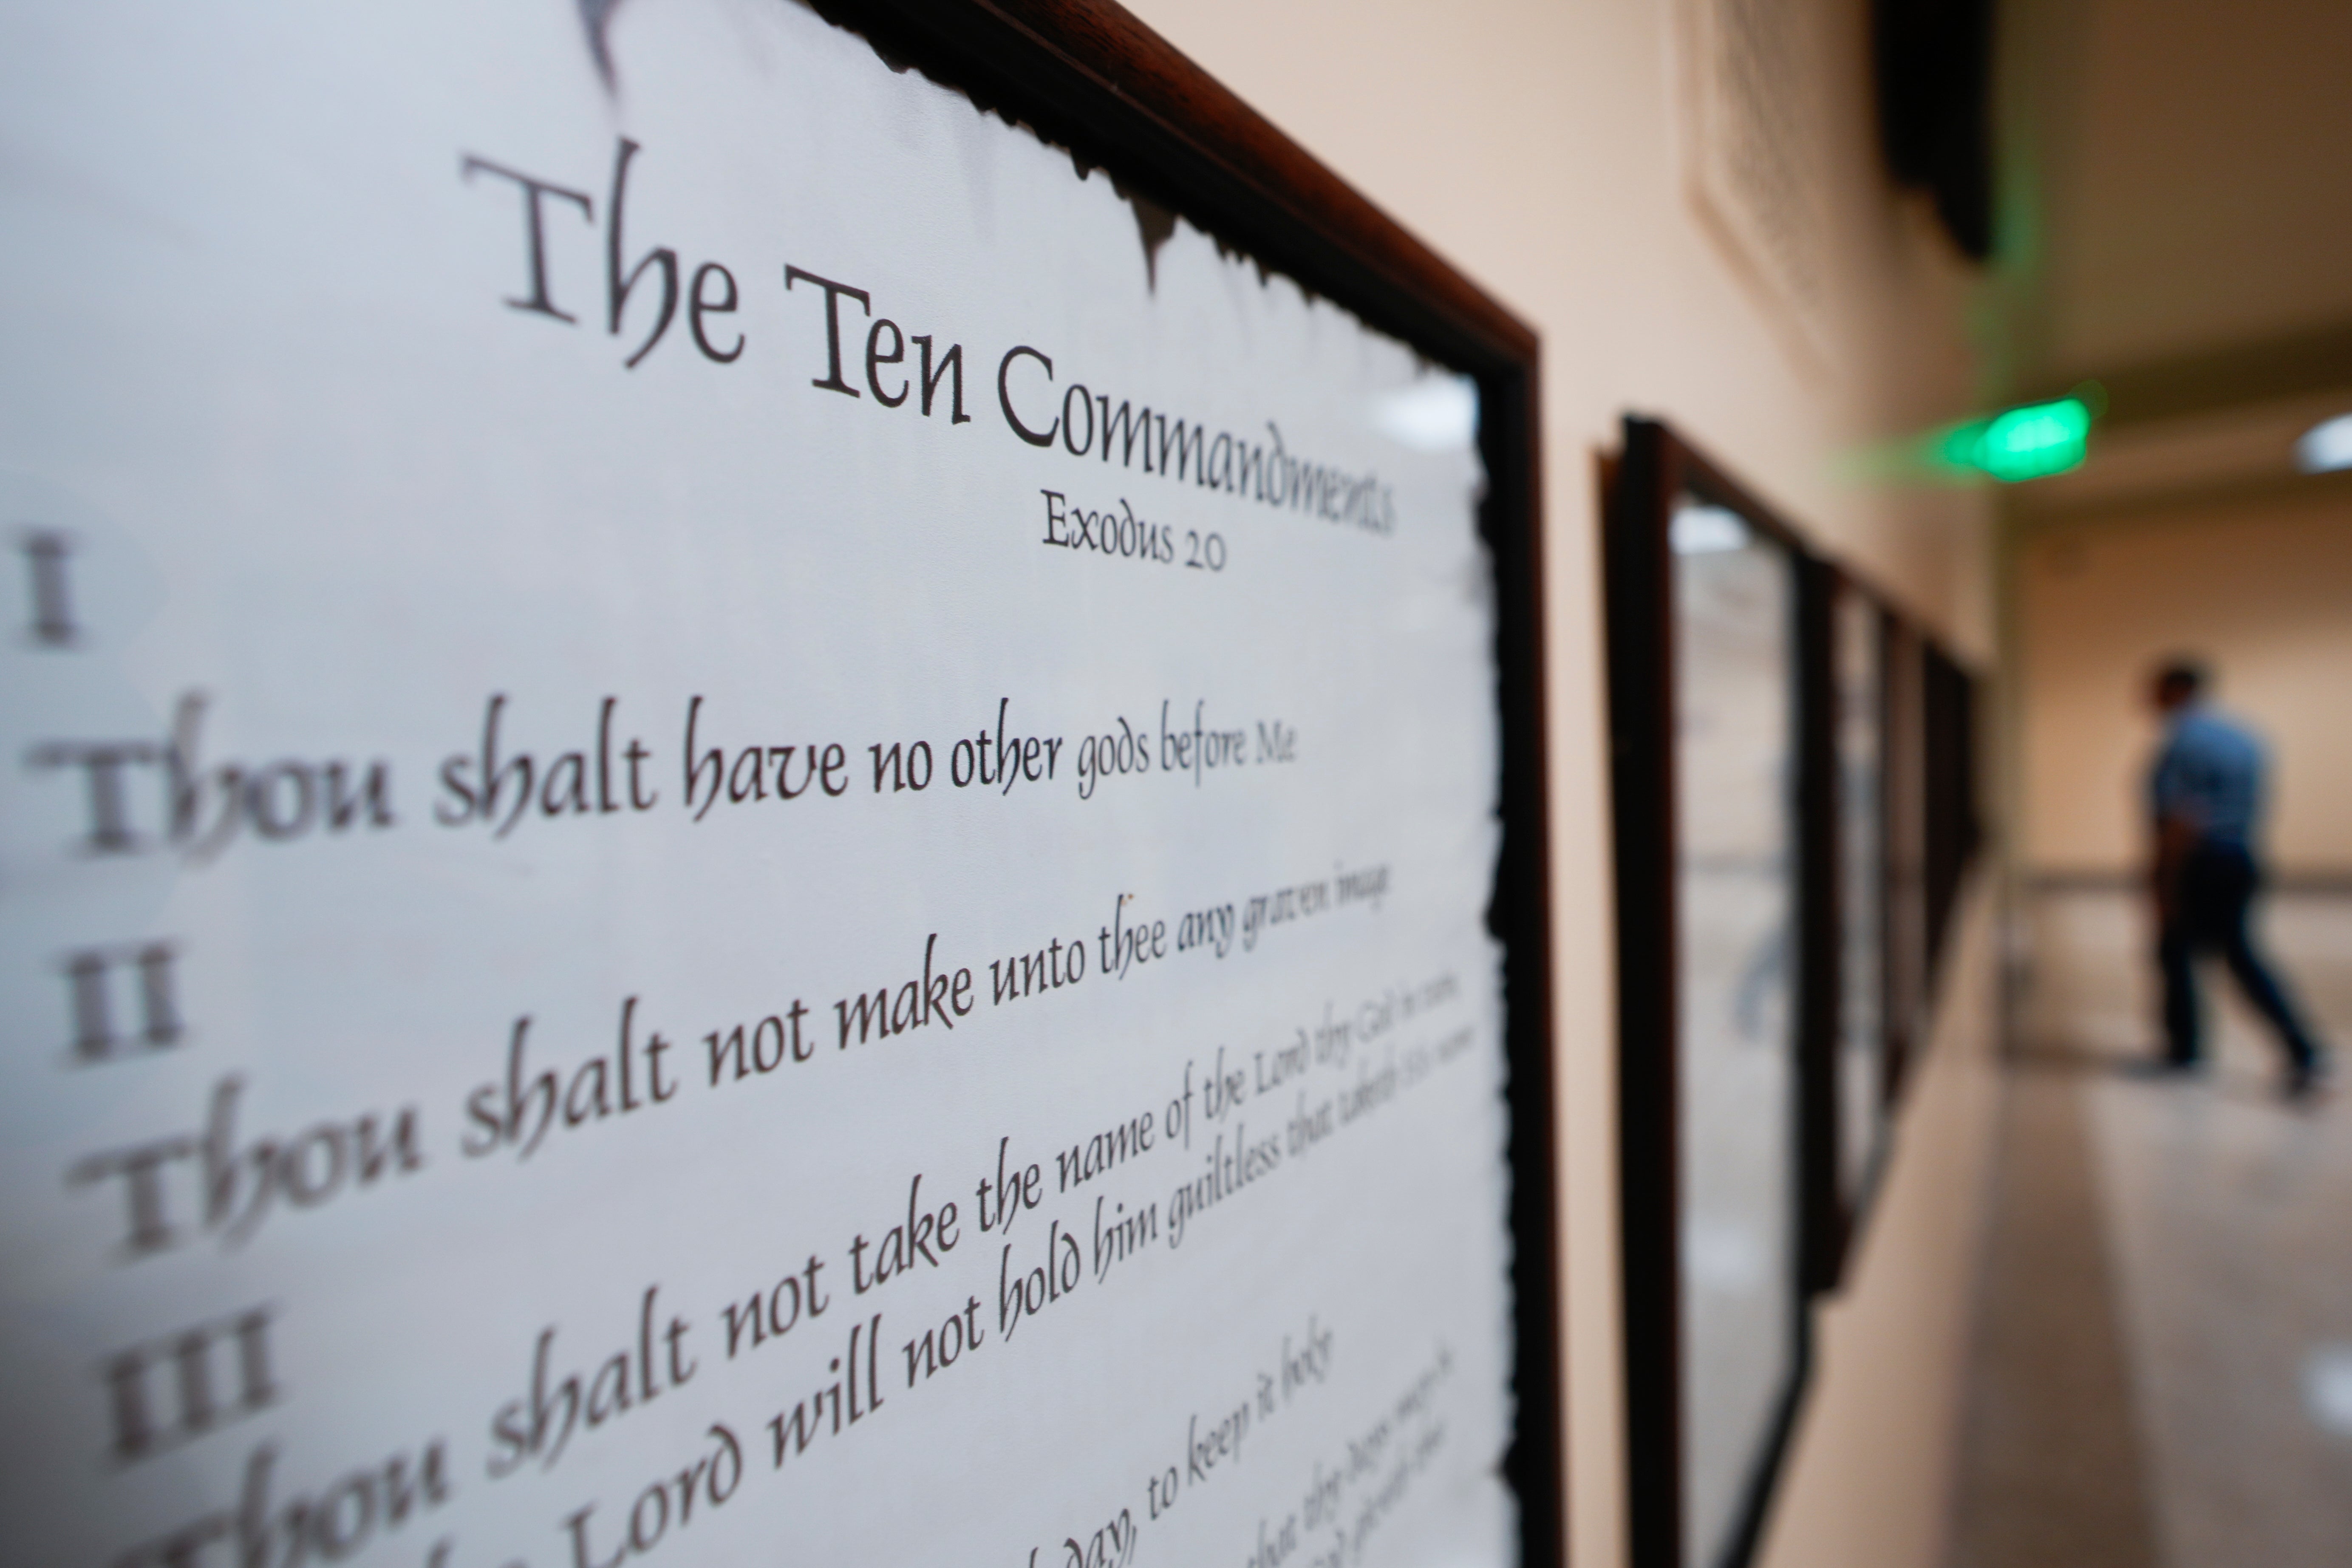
{"points": [[1958, 447], [2029, 443]]}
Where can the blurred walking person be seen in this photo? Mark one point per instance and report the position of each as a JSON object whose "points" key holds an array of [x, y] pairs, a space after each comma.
{"points": [[2205, 799]]}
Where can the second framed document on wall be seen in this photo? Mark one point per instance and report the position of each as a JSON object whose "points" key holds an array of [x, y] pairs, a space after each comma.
{"points": [[1706, 686], [1848, 1094]]}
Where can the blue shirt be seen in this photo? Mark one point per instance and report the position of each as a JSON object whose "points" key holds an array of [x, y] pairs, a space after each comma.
{"points": [[2209, 776]]}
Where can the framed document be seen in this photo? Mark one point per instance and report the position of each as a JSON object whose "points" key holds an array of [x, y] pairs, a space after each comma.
{"points": [[1953, 832], [1904, 844], [773, 791], [1704, 585], [1933, 829], [1905, 832], [1848, 1080]]}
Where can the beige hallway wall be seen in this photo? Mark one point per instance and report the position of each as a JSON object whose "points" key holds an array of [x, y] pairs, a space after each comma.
{"points": [[2262, 587], [1542, 148]]}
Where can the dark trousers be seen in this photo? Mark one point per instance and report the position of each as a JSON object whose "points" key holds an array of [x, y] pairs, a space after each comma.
{"points": [[2208, 914]]}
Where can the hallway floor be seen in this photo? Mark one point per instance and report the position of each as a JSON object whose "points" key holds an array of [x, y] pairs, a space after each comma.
{"points": [[2163, 1367]]}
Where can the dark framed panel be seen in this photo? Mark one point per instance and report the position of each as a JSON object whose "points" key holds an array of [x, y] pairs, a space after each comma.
{"points": [[1934, 827], [1900, 826], [1903, 804], [1092, 77], [1715, 658], [1849, 1082], [1953, 830]]}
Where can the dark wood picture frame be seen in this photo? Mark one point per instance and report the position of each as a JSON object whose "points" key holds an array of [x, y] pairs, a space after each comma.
{"points": [[1088, 75], [1902, 830], [1928, 829], [1835, 1209], [1820, 892], [1928, 787], [1655, 467], [1954, 825], [1934, 710]]}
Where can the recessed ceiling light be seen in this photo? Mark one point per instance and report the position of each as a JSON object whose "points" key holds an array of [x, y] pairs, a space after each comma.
{"points": [[2328, 1377], [2325, 447]]}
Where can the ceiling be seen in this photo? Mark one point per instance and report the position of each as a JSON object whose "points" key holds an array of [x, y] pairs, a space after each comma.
{"points": [[2176, 223], [2178, 219]]}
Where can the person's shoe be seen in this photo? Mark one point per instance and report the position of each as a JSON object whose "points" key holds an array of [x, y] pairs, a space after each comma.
{"points": [[2307, 1081]]}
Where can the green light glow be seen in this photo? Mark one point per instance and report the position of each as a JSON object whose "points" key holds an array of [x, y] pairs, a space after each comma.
{"points": [[2028, 443]]}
